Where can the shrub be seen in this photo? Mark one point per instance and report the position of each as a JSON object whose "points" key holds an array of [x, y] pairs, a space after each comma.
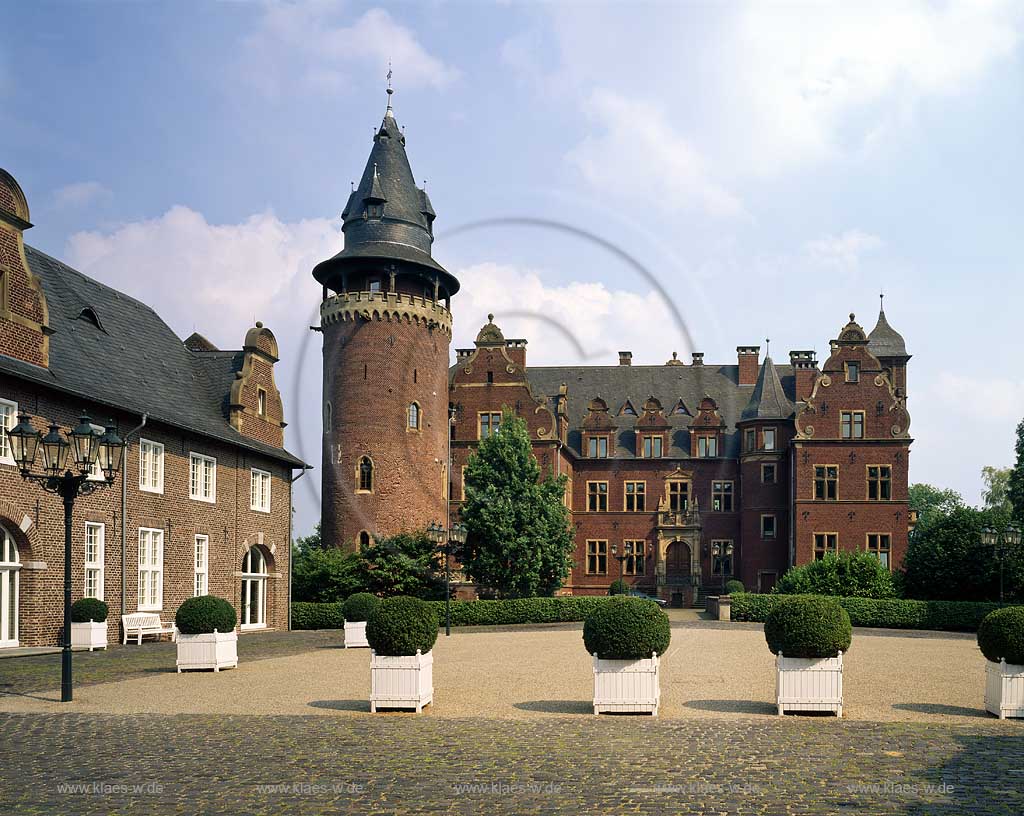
{"points": [[402, 626], [89, 609], [808, 626], [618, 587], [307, 615], [1001, 635], [325, 575], [202, 615], [733, 586], [563, 609], [952, 616], [626, 629], [854, 575], [360, 606]]}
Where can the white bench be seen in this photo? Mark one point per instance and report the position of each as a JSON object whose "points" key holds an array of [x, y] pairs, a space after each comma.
{"points": [[139, 624]]}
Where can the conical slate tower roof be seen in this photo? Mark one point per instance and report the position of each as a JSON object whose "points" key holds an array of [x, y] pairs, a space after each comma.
{"points": [[768, 401], [388, 218], [884, 340]]}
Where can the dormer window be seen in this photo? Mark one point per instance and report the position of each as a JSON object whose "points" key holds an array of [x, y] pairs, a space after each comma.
{"points": [[652, 447], [598, 447], [707, 447], [852, 372]]}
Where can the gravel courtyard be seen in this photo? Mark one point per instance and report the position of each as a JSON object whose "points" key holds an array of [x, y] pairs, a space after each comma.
{"points": [[711, 670]]}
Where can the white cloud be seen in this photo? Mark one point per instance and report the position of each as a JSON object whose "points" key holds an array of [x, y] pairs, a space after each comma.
{"points": [[217, 278], [80, 194], [575, 323], [639, 154], [842, 251], [993, 400], [307, 43]]}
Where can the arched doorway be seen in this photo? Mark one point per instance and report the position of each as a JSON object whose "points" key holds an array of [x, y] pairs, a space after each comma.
{"points": [[253, 606], [10, 567], [677, 573]]}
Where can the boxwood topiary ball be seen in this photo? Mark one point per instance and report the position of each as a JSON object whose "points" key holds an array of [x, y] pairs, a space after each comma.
{"points": [[402, 626], [360, 606], [808, 626], [1001, 635], [733, 586], [200, 616], [626, 628], [89, 609], [618, 587]]}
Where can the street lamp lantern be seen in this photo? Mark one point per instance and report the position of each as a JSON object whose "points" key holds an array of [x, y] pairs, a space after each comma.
{"points": [[988, 536], [1013, 535], [435, 532], [24, 443], [88, 446], [459, 533], [55, 452]]}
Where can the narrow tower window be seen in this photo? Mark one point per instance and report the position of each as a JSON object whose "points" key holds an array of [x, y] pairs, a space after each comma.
{"points": [[414, 416], [366, 474]]}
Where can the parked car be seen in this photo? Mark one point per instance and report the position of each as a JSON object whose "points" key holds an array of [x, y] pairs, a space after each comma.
{"points": [[638, 594]]}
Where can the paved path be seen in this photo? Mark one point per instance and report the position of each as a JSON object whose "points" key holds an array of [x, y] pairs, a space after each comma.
{"points": [[399, 764]]}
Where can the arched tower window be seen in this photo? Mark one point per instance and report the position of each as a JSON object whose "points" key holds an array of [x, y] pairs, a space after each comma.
{"points": [[364, 540], [414, 416], [365, 474]]}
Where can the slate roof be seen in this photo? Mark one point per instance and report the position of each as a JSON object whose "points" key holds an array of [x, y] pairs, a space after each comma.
{"points": [[884, 340], [668, 383], [405, 232], [769, 400], [130, 359]]}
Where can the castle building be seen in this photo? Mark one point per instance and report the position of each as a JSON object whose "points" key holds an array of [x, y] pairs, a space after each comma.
{"points": [[202, 504], [680, 476]]}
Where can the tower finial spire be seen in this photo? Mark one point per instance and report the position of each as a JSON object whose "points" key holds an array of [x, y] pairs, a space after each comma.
{"points": [[881, 301], [767, 347], [390, 89]]}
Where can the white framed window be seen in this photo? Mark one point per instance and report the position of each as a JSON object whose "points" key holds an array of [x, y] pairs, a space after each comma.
{"points": [[8, 419], [202, 561], [254, 590], [95, 535], [151, 466], [151, 569], [10, 567], [202, 478], [259, 491]]}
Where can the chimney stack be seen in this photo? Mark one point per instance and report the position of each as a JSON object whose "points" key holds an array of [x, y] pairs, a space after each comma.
{"points": [[698, 358], [805, 370], [747, 357], [625, 358]]}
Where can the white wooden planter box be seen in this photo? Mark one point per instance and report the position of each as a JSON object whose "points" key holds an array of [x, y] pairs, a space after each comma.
{"points": [[627, 685], [355, 634], [218, 650], [401, 682], [1004, 689], [810, 684], [89, 635]]}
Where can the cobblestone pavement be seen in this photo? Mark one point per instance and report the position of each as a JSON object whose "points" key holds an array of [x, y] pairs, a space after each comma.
{"points": [[20, 675], [403, 764]]}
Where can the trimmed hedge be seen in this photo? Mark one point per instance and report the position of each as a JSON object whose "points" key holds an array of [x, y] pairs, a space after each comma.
{"points": [[734, 586], [618, 587], [808, 626], [360, 606], [306, 615], [626, 629], [951, 616], [89, 609], [402, 626], [201, 615], [1001, 635], [563, 609]]}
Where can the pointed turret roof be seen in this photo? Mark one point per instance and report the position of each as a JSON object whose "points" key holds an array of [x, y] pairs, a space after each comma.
{"points": [[884, 340], [400, 226], [768, 401]]}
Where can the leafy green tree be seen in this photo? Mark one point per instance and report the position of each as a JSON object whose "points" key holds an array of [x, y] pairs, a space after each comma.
{"points": [[405, 564], [519, 542], [932, 503], [997, 485], [325, 575], [856, 575], [1015, 484]]}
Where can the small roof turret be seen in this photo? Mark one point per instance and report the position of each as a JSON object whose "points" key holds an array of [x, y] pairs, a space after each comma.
{"points": [[768, 401], [884, 340]]}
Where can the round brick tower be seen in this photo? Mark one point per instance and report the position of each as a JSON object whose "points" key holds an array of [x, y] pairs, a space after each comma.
{"points": [[387, 326]]}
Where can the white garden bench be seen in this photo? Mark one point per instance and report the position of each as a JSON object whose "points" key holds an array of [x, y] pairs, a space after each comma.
{"points": [[140, 624]]}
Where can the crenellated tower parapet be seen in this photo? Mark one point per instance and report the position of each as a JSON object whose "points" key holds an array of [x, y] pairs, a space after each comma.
{"points": [[389, 307]]}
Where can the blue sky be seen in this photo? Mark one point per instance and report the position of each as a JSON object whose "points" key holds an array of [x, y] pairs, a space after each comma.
{"points": [[773, 167]]}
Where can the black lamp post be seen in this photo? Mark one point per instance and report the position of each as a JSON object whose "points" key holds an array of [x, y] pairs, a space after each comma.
{"points": [[621, 559], [438, 535], [68, 479], [1001, 543], [723, 553]]}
